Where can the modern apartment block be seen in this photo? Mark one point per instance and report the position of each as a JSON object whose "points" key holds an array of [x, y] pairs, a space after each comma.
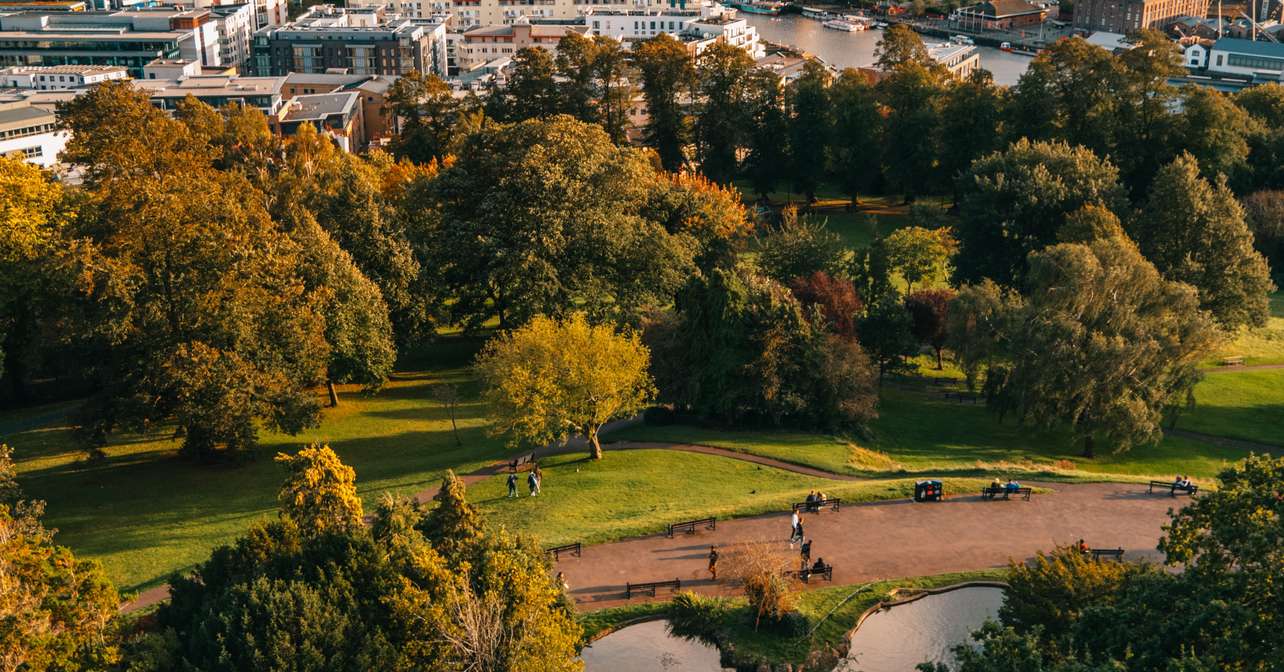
{"points": [[359, 41], [31, 133], [1126, 16], [129, 39], [471, 13], [699, 26], [53, 77], [487, 43]]}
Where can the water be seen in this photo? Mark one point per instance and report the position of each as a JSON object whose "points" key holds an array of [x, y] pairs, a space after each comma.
{"points": [[648, 647], [897, 639], [856, 50]]}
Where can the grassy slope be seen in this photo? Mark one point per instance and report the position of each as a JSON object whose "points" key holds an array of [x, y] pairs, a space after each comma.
{"points": [[640, 491], [1245, 405], [1263, 345], [146, 512]]}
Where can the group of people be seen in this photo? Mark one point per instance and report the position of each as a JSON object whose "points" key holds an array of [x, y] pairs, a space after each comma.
{"points": [[534, 479], [1181, 482], [815, 500], [796, 530], [1010, 486]]}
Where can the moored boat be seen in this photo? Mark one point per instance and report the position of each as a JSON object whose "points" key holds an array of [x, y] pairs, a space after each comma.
{"points": [[843, 25]]}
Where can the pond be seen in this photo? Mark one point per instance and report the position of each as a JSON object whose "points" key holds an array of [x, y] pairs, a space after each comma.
{"points": [[648, 647], [899, 638]]}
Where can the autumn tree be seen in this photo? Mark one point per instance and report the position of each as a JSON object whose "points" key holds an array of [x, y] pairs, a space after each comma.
{"points": [[899, 45], [668, 79], [929, 314], [542, 215], [57, 612], [1102, 345], [1264, 213], [531, 91], [921, 255], [911, 96], [428, 112], [1194, 231], [454, 526], [760, 571], [1014, 202], [834, 296], [186, 291], [720, 119], [552, 379], [320, 493]]}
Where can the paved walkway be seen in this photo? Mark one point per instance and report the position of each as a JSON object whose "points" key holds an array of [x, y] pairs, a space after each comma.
{"points": [[890, 539]]}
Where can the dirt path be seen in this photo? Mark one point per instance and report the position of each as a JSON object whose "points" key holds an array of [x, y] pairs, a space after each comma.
{"points": [[888, 539]]}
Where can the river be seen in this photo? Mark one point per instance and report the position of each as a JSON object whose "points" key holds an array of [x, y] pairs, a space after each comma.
{"points": [[847, 50]]}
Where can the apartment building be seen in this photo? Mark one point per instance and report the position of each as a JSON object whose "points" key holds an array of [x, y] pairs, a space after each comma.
{"points": [[31, 133], [52, 77], [377, 117], [1128, 16], [487, 43], [700, 26], [359, 41], [472, 13], [128, 39]]}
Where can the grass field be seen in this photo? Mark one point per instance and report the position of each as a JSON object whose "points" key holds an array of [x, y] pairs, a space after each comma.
{"points": [[145, 512], [1262, 345], [633, 492], [1244, 405]]}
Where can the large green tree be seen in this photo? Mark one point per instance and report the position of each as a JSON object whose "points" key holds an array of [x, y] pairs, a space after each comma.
{"points": [[721, 117], [767, 157], [428, 112], [531, 91], [668, 81], [858, 127], [1014, 202], [911, 97], [970, 122], [1194, 232], [810, 114]]}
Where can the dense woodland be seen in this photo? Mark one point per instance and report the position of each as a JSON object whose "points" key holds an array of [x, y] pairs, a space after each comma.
{"points": [[1106, 232]]}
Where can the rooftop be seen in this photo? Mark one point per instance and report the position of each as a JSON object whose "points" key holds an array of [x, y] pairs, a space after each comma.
{"points": [[320, 106], [1003, 8], [64, 69], [23, 115], [1255, 48], [537, 30], [211, 86]]}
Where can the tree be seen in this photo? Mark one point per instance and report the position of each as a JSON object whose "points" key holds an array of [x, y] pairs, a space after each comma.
{"points": [[615, 91], [448, 396], [911, 97], [668, 78], [929, 313], [577, 86], [836, 297], [760, 571], [531, 92], [429, 113], [551, 378], [455, 526], [1194, 232], [320, 493], [886, 330], [57, 612], [810, 125], [1102, 344], [1215, 131], [186, 291], [970, 117], [857, 127], [1264, 213], [1014, 202], [766, 160], [1146, 116], [977, 324], [920, 254], [898, 46], [798, 247], [720, 121], [541, 215]]}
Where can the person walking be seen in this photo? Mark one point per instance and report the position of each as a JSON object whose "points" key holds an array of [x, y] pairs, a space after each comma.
{"points": [[713, 562], [805, 553], [793, 527], [512, 484], [532, 483], [539, 478]]}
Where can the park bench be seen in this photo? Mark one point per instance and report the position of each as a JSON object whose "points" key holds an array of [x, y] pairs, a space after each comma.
{"points": [[834, 503], [1232, 361], [690, 526], [516, 464], [557, 551], [1115, 553], [970, 397], [1173, 488], [990, 492], [649, 587], [805, 575]]}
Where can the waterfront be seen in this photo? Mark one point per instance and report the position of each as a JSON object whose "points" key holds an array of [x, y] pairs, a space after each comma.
{"points": [[848, 50]]}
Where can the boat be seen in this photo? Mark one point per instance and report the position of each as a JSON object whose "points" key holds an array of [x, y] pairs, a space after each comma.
{"points": [[767, 8], [881, 25], [1006, 46], [818, 14], [843, 25], [962, 39], [1024, 51]]}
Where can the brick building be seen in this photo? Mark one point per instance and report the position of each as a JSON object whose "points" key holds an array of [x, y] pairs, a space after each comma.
{"points": [[1126, 16]]}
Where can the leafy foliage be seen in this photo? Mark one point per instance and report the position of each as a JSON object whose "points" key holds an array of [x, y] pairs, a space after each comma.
{"points": [[320, 494]]}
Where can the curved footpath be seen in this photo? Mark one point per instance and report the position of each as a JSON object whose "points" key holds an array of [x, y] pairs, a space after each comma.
{"points": [[877, 540]]}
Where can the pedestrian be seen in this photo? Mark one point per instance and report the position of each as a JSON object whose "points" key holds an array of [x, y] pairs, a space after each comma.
{"points": [[539, 478], [532, 483], [798, 533], [512, 484], [561, 583], [713, 562], [793, 527], [805, 552]]}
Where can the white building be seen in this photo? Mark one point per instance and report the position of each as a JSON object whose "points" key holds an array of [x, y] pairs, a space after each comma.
{"points": [[31, 132], [481, 45], [235, 25], [471, 13], [51, 77], [701, 27], [960, 59], [1195, 56], [1256, 60]]}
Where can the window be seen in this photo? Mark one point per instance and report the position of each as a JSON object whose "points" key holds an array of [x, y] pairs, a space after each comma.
{"points": [[1254, 62]]}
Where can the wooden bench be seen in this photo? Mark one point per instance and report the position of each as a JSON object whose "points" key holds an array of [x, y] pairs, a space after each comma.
{"points": [[557, 551], [805, 575], [991, 493], [970, 397], [516, 464], [1173, 488], [690, 526], [650, 586], [1115, 553], [834, 503], [1232, 361]]}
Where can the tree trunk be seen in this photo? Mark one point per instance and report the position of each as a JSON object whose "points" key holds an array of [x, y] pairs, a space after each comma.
{"points": [[453, 427], [334, 394], [1088, 448], [939, 367], [595, 447]]}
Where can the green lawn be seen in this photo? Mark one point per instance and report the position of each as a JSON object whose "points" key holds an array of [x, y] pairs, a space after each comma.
{"points": [[1243, 404], [634, 492], [1262, 345], [146, 512], [919, 432]]}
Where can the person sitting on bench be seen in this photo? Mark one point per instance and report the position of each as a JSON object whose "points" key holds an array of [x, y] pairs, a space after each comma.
{"points": [[812, 501], [1083, 547], [819, 566], [1183, 483], [1011, 486], [996, 485]]}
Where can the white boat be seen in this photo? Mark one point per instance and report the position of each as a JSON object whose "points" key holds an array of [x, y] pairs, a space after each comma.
{"points": [[843, 25], [962, 39], [881, 25]]}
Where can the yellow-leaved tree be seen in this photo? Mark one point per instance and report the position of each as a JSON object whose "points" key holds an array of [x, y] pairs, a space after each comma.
{"points": [[553, 379], [320, 494]]}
